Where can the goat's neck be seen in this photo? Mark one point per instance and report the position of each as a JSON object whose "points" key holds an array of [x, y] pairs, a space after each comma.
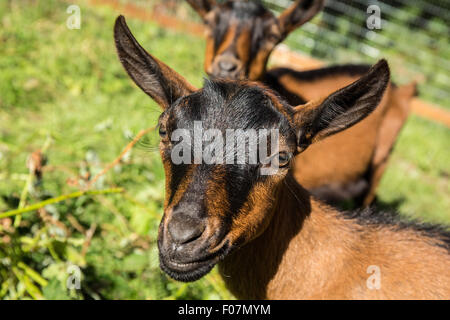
{"points": [[311, 251], [289, 253]]}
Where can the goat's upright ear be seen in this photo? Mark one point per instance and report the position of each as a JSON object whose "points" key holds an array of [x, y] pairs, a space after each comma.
{"points": [[154, 77], [342, 109], [202, 6], [299, 13]]}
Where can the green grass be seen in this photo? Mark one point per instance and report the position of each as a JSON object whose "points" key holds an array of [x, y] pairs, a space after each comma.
{"points": [[417, 178], [69, 84]]}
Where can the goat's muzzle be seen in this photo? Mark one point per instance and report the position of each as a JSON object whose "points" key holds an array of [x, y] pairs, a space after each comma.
{"points": [[188, 247]]}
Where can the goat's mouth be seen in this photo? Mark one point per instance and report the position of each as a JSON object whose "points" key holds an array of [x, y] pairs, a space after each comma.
{"points": [[186, 272], [193, 270], [227, 76]]}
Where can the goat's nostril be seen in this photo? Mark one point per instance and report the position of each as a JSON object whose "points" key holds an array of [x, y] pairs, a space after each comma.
{"points": [[227, 65], [184, 229]]}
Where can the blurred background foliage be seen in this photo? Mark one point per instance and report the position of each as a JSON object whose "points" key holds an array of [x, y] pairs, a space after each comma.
{"points": [[67, 109]]}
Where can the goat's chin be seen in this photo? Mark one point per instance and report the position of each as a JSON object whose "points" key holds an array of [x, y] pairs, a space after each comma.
{"points": [[186, 273], [240, 76], [192, 271]]}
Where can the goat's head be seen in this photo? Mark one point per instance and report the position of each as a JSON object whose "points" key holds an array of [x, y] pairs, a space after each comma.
{"points": [[241, 34], [211, 208]]}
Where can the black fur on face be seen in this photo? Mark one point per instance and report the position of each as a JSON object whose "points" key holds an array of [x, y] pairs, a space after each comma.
{"points": [[246, 22], [193, 188], [226, 105], [211, 209], [251, 15]]}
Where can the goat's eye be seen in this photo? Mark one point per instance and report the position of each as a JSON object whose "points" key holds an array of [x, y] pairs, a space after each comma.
{"points": [[273, 37], [283, 159], [162, 132]]}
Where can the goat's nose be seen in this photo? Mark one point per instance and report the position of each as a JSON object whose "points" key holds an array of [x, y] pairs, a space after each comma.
{"points": [[183, 228], [227, 65]]}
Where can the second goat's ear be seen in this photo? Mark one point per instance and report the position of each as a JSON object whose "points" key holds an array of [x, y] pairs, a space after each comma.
{"points": [[202, 6], [155, 78], [299, 13], [342, 109]]}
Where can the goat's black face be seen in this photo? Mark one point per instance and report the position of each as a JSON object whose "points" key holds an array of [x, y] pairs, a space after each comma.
{"points": [[241, 34], [240, 37], [210, 203], [220, 182]]}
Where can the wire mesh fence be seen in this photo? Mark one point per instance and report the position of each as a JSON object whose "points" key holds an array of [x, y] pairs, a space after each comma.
{"points": [[414, 36]]}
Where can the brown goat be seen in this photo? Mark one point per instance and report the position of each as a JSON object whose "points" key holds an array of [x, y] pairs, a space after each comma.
{"points": [[271, 239], [242, 34]]}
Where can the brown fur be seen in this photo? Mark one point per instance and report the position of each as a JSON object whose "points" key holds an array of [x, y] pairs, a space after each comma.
{"points": [[209, 56], [364, 148], [392, 122], [343, 157], [310, 251], [227, 41]]}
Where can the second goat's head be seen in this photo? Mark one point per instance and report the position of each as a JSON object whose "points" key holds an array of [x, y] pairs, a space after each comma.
{"points": [[241, 34], [213, 208]]}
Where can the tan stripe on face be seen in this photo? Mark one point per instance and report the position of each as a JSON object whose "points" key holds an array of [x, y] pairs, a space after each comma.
{"points": [[216, 200], [243, 43], [181, 188], [258, 65], [254, 217], [227, 41], [209, 56]]}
